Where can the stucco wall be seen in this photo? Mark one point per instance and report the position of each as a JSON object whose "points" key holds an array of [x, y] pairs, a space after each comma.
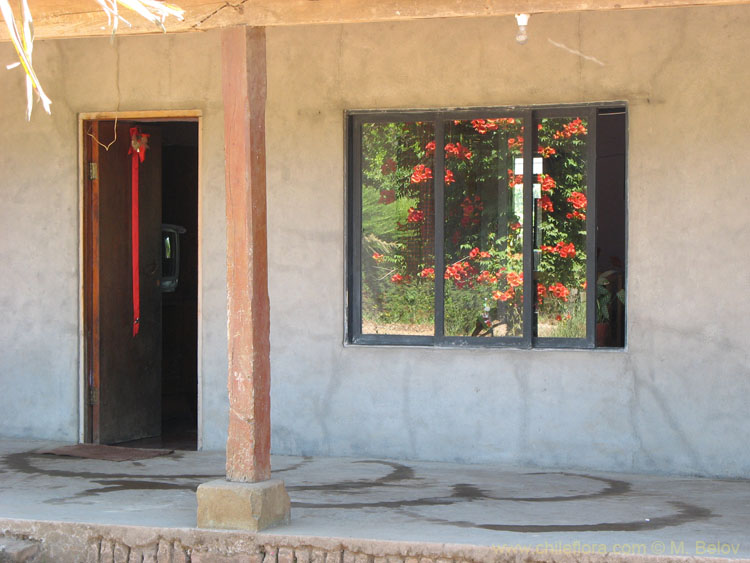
{"points": [[39, 216], [676, 399]]}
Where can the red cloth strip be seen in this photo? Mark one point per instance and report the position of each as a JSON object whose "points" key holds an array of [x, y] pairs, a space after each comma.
{"points": [[138, 146], [135, 243]]}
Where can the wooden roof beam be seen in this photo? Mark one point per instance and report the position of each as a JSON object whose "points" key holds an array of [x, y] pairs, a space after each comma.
{"points": [[82, 18]]}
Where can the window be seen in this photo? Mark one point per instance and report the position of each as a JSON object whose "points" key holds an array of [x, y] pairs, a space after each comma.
{"points": [[487, 227]]}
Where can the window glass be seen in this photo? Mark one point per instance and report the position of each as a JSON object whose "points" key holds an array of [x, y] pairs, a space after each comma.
{"points": [[457, 241], [398, 225], [560, 227], [483, 227], [610, 228]]}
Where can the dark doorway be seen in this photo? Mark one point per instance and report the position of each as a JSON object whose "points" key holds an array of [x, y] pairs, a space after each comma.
{"points": [[180, 307], [142, 390]]}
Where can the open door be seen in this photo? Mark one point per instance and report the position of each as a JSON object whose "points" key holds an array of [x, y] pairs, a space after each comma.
{"points": [[123, 370]]}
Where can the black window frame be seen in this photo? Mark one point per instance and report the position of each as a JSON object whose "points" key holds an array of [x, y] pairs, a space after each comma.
{"points": [[531, 115]]}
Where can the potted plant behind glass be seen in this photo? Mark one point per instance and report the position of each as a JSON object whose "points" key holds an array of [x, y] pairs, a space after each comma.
{"points": [[604, 299]]}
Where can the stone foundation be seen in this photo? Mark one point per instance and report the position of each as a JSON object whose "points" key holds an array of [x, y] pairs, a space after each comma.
{"points": [[65, 542]]}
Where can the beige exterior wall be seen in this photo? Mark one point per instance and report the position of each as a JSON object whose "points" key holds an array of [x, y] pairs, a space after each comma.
{"points": [[39, 215], [674, 401]]}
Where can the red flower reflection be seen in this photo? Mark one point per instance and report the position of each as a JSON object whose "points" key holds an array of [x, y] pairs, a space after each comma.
{"points": [[547, 181], [546, 203], [504, 295], [415, 215], [486, 277], [514, 279], [460, 273], [565, 250], [541, 293], [514, 180], [575, 127], [578, 200], [399, 279], [559, 291], [420, 174], [546, 152], [482, 126], [457, 150], [515, 143]]}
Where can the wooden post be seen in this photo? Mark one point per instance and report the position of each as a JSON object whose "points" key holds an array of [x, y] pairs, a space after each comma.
{"points": [[244, 91], [247, 499]]}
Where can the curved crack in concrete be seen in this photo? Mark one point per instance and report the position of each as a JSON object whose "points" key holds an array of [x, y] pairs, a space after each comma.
{"points": [[614, 487], [119, 485], [461, 491], [400, 473], [305, 460], [685, 513], [21, 463]]}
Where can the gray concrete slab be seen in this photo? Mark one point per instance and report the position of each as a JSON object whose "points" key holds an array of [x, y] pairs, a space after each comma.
{"points": [[375, 499]]}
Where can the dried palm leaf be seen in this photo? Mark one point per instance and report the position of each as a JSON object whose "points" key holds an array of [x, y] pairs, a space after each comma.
{"points": [[24, 45], [154, 11]]}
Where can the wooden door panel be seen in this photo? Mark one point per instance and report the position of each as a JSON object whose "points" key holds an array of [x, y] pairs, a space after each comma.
{"points": [[129, 370]]}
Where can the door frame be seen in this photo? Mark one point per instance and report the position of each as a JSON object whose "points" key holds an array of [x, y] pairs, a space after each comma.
{"points": [[188, 115]]}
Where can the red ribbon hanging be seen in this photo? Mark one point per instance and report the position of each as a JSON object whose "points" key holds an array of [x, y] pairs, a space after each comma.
{"points": [[138, 146]]}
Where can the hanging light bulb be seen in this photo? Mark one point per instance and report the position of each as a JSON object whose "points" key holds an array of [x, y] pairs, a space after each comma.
{"points": [[522, 20]]}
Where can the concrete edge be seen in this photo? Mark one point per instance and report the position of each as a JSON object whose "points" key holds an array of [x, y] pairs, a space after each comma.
{"points": [[77, 542]]}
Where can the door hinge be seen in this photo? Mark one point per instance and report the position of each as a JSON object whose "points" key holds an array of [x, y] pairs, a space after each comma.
{"points": [[93, 171], [93, 396]]}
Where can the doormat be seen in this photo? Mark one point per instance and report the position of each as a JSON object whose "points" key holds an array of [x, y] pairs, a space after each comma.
{"points": [[108, 453]]}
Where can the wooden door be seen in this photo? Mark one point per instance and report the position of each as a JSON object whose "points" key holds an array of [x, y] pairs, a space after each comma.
{"points": [[123, 371]]}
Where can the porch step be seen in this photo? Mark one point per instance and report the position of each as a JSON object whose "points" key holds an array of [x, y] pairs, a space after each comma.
{"points": [[13, 550]]}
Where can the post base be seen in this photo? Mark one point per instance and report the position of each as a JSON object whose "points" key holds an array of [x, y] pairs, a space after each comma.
{"points": [[227, 505]]}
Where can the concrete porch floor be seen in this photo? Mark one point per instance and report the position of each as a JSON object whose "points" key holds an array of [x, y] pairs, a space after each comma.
{"points": [[501, 511]]}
